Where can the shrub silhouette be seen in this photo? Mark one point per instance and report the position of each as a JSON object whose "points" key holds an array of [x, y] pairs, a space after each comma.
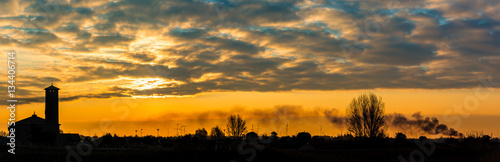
{"points": [[201, 134], [252, 135], [274, 134], [486, 138], [216, 133], [400, 137], [303, 137]]}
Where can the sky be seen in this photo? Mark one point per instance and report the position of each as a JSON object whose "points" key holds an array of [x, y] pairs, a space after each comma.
{"points": [[126, 65]]}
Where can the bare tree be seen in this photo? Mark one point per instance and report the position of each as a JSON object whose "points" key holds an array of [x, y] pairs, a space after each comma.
{"points": [[236, 126], [365, 116]]}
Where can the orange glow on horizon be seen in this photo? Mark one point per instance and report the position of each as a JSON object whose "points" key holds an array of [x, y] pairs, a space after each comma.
{"points": [[128, 113]]}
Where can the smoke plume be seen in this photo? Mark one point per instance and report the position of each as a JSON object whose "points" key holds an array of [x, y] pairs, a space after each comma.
{"points": [[398, 122], [335, 118], [419, 124]]}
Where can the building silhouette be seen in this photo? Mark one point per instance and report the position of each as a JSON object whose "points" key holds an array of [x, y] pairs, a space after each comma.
{"points": [[52, 109], [35, 129]]}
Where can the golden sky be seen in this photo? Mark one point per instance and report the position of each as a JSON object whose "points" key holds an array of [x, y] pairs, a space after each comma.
{"points": [[160, 63], [125, 115]]}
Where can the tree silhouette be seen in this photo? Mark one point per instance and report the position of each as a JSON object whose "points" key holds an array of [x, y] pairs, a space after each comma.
{"points": [[274, 134], [236, 126], [304, 137], [400, 137], [216, 133], [365, 116], [486, 138], [201, 133], [252, 135], [3, 134]]}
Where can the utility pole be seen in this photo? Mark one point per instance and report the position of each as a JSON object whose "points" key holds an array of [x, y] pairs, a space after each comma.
{"points": [[286, 129], [257, 128], [157, 132], [177, 129], [183, 128]]}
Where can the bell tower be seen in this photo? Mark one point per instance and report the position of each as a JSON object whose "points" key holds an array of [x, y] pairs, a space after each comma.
{"points": [[52, 108]]}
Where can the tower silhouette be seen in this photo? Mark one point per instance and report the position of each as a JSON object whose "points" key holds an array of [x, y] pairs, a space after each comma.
{"points": [[52, 108]]}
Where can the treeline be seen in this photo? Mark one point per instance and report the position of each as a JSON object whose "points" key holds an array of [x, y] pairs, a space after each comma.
{"points": [[235, 133], [303, 140]]}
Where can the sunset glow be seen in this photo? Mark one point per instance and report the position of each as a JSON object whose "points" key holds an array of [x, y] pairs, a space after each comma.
{"points": [[156, 64]]}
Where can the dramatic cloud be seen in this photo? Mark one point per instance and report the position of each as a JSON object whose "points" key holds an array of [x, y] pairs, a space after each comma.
{"points": [[187, 47]]}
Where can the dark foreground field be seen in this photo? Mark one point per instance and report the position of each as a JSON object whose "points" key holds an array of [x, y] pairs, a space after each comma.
{"points": [[311, 152]]}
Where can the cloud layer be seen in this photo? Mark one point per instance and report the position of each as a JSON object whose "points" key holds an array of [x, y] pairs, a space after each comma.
{"points": [[103, 49]]}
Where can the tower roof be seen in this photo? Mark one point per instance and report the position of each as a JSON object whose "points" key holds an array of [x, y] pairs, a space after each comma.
{"points": [[51, 87], [34, 119]]}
